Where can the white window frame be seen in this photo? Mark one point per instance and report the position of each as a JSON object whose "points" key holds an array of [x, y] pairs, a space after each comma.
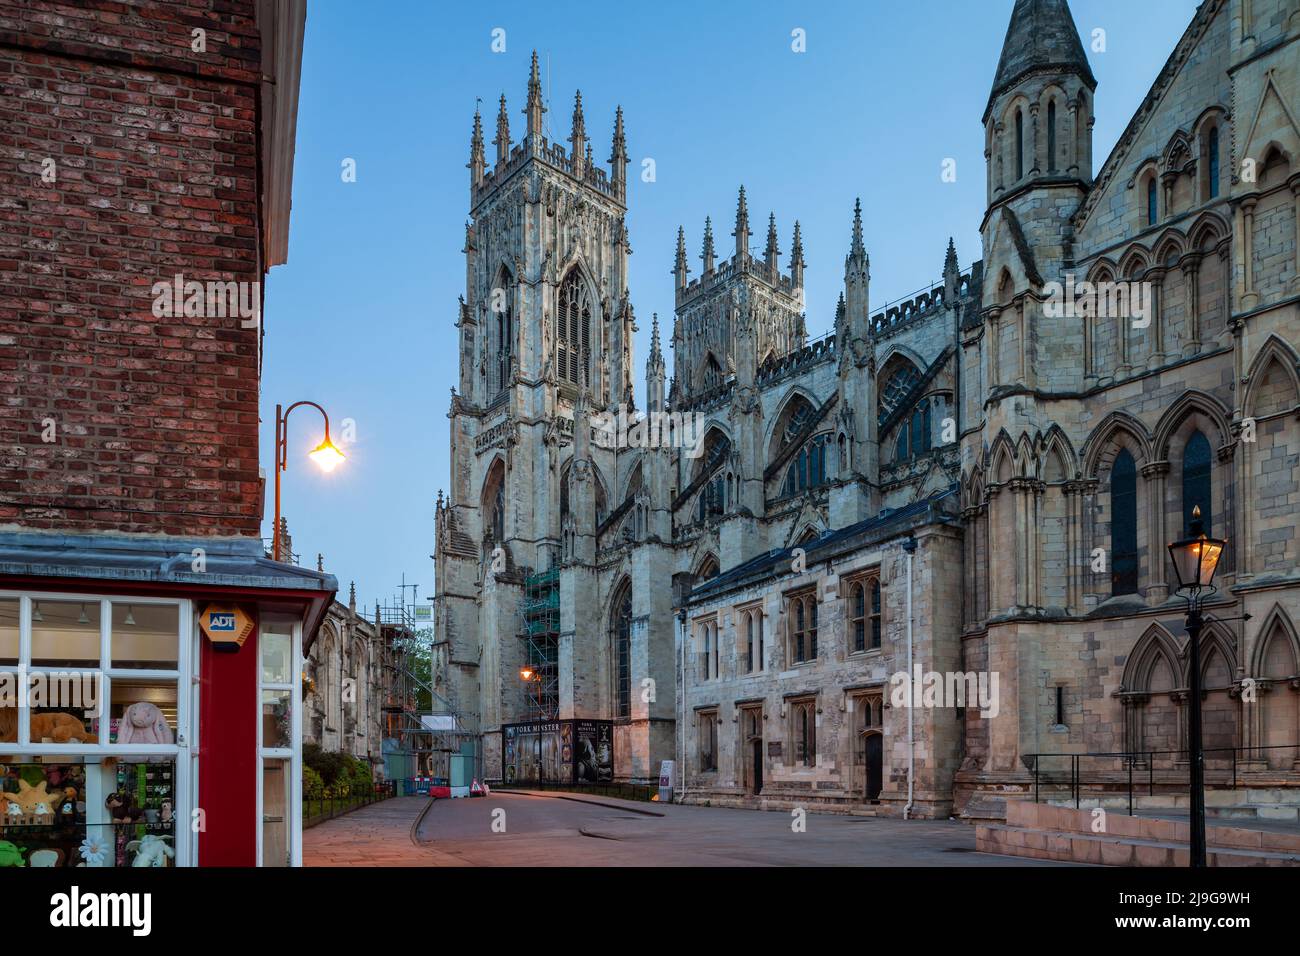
{"points": [[186, 704], [292, 753]]}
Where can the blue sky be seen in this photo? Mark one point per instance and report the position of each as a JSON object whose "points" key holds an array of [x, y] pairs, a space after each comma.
{"points": [[361, 317]]}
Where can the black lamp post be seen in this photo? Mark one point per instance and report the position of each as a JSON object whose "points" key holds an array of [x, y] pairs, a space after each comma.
{"points": [[1195, 559]]}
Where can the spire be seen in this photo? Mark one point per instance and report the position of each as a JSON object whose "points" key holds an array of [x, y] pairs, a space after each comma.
{"points": [[797, 263], [477, 164], [680, 268], [579, 136], [534, 109], [618, 153], [654, 369], [1041, 36], [856, 250], [352, 596], [503, 132], [951, 274], [707, 255], [742, 224], [857, 279], [772, 252]]}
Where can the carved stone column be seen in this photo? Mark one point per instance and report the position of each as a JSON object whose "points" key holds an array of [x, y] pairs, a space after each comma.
{"points": [[1191, 266], [1249, 297]]}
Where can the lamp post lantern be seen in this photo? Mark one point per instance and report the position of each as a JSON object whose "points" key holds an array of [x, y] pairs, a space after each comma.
{"points": [[1195, 560], [326, 455]]}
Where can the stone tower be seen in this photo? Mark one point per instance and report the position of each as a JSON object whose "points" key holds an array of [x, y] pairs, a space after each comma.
{"points": [[704, 334], [545, 328]]}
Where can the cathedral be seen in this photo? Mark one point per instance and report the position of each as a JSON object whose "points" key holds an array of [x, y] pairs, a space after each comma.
{"points": [[976, 484]]}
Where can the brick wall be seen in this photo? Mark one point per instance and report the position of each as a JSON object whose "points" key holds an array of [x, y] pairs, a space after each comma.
{"points": [[112, 419]]}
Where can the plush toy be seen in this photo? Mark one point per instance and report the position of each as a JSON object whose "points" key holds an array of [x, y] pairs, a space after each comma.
{"points": [[31, 800], [10, 855], [167, 812], [121, 806], [144, 723], [57, 729], [151, 851]]}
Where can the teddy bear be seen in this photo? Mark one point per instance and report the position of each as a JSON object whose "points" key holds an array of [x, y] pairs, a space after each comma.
{"points": [[121, 806], [144, 723]]}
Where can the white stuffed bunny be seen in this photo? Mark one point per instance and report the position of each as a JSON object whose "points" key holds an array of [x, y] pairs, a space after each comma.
{"points": [[151, 851]]}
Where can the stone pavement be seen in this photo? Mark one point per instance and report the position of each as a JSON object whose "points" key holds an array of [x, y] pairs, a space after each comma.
{"points": [[377, 835]]}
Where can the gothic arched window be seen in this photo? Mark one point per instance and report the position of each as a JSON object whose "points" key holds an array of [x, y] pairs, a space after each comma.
{"points": [[1196, 482], [1212, 162], [1123, 525], [875, 613], [712, 375], [622, 638], [808, 470], [897, 387], [1152, 211], [1051, 136], [1020, 144], [573, 339]]}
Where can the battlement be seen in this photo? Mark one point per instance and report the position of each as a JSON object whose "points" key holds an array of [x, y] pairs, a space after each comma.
{"points": [[725, 271], [553, 155], [779, 368], [903, 312]]}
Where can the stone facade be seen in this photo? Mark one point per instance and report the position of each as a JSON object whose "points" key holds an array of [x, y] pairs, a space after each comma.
{"points": [[344, 686], [977, 482]]}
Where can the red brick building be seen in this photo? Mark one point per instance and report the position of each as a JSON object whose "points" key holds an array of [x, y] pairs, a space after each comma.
{"points": [[146, 157]]}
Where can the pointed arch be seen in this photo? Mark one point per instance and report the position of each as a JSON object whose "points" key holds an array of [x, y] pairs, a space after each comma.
{"points": [[1156, 655], [1135, 261], [1277, 640], [1116, 429], [1274, 365], [1058, 461], [1216, 641], [1170, 243], [707, 567], [1192, 402], [796, 407], [577, 326], [1002, 459], [1208, 227], [620, 639]]}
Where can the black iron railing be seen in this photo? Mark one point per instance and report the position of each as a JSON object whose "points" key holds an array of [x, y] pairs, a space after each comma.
{"points": [[624, 791], [1130, 767], [318, 807]]}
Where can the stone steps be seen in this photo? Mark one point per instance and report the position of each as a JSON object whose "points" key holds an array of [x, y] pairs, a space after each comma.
{"points": [[1044, 832]]}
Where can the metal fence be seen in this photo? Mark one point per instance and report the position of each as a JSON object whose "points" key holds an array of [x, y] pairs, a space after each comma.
{"points": [[317, 807], [624, 791], [1132, 771]]}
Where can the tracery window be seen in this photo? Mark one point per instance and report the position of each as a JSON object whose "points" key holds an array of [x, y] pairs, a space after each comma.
{"points": [[623, 652], [574, 333], [802, 614], [808, 470], [897, 388]]}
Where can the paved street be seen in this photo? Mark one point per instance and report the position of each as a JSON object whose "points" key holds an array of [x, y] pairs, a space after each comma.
{"points": [[552, 830]]}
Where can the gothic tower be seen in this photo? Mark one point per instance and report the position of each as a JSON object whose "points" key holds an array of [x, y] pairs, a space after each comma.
{"points": [[546, 332]]}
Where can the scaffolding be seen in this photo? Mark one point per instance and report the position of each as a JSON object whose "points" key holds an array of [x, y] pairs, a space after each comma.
{"points": [[408, 745], [540, 609]]}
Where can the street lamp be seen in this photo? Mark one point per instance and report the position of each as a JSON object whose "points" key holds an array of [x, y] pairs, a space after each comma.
{"points": [[528, 675], [1195, 559], [326, 455]]}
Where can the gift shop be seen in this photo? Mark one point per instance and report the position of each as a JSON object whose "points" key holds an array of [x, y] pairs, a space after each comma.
{"points": [[149, 710]]}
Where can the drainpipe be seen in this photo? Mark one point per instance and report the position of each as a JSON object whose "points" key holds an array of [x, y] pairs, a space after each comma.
{"points": [[910, 547], [681, 727]]}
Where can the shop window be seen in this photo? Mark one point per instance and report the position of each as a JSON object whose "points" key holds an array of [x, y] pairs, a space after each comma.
{"points": [[144, 636], [65, 633], [8, 631]]}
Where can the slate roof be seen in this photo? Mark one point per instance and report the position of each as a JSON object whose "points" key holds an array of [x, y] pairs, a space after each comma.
{"points": [[776, 562], [1041, 35]]}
